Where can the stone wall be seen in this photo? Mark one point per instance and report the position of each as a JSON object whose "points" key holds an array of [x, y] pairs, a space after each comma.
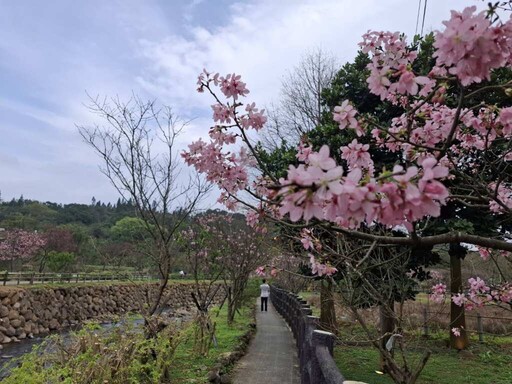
{"points": [[33, 311]]}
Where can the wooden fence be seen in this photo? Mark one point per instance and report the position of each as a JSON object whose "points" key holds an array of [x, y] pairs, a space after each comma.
{"points": [[18, 278], [480, 320]]}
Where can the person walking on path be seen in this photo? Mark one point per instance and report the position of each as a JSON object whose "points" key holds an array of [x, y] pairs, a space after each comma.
{"points": [[272, 355], [265, 293]]}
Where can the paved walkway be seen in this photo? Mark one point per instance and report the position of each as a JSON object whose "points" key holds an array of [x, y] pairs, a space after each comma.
{"points": [[272, 355]]}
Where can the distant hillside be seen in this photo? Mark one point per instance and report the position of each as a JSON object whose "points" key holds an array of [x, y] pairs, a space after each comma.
{"points": [[35, 215]]}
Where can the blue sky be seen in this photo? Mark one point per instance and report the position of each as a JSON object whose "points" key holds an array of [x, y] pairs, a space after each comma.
{"points": [[53, 52]]}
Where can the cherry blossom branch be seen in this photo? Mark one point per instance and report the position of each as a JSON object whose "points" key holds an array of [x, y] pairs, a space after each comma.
{"points": [[489, 88], [455, 124], [427, 241]]}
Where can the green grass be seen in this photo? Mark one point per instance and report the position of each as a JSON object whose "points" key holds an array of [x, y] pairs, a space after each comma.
{"points": [[481, 364], [189, 367], [91, 268], [94, 283], [309, 297]]}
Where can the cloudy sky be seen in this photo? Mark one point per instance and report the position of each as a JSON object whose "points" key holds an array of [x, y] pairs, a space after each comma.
{"points": [[53, 52]]}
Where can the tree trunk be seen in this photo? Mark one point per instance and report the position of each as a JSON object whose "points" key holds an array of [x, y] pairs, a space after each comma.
{"points": [[457, 313], [387, 326], [231, 312], [327, 311], [231, 307]]}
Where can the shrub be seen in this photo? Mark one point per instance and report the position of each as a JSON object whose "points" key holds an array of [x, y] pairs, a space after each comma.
{"points": [[119, 355]]}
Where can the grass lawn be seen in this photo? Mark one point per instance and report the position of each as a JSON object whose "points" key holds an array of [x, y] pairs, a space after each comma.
{"points": [[488, 363], [90, 283], [482, 363], [313, 298], [191, 368]]}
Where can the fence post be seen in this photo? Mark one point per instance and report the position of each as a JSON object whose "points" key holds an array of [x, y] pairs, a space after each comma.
{"points": [[18, 279], [305, 310], [425, 322], [323, 347], [315, 371], [480, 328], [306, 365], [6, 274], [32, 278]]}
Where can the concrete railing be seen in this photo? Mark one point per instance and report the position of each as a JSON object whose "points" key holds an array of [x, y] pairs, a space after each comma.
{"points": [[315, 347]]}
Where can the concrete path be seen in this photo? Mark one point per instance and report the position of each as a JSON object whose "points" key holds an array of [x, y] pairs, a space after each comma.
{"points": [[272, 355]]}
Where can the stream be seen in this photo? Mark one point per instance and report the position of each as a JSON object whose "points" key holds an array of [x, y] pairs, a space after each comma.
{"points": [[11, 352]]}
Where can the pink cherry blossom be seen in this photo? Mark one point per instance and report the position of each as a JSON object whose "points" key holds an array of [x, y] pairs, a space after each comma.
{"points": [[306, 239], [408, 83], [459, 299], [20, 244], [503, 198], [222, 113], [321, 159], [321, 269], [232, 86], [345, 115], [378, 82], [432, 143], [506, 120], [357, 156], [254, 119], [438, 293], [252, 219], [470, 47], [485, 254]]}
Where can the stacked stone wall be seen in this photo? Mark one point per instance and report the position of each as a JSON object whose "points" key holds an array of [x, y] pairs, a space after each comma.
{"points": [[29, 312]]}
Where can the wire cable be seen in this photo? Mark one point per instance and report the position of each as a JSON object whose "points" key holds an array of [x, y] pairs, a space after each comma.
{"points": [[424, 13], [417, 18]]}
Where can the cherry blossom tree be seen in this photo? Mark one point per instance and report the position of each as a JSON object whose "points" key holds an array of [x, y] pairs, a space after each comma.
{"points": [[445, 152], [242, 249], [401, 196], [202, 266], [222, 246], [19, 244]]}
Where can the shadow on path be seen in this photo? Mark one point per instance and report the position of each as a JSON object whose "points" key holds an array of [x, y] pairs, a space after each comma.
{"points": [[272, 355]]}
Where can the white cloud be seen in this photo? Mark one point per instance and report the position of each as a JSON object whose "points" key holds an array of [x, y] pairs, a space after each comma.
{"points": [[52, 52], [265, 38]]}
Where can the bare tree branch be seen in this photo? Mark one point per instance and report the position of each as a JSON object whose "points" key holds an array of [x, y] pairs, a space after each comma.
{"points": [[138, 148]]}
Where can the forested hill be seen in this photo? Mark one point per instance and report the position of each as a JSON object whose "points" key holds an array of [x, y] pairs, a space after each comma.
{"points": [[34, 215], [78, 235]]}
